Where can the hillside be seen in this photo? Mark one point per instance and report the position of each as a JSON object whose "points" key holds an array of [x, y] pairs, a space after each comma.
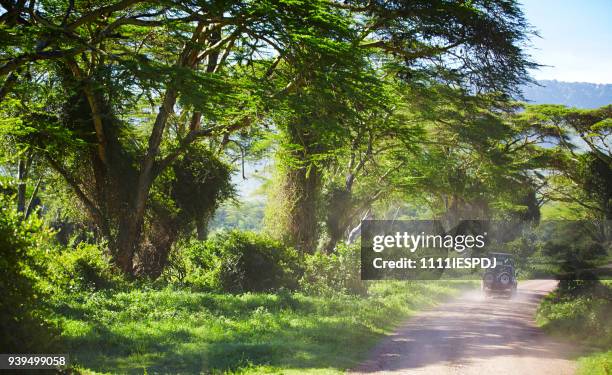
{"points": [[573, 94]]}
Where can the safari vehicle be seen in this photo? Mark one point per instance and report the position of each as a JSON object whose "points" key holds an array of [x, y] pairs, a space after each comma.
{"points": [[500, 280]]}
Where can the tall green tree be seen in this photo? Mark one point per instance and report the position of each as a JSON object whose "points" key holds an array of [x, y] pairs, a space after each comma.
{"points": [[474, 45], [141, 82], [581, 170]]}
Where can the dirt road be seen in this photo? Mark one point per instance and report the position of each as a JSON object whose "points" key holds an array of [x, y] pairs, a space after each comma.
{"points": [[474, 335]]}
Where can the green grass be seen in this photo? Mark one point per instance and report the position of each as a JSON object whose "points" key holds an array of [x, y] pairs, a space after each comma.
{"points": [[596, 364], [178, 331], [585, 317]]}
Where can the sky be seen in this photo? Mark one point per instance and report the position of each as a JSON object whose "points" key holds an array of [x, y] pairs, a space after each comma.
{"points": [[575, 39]]}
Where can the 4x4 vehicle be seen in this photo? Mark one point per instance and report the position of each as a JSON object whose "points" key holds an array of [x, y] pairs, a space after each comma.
{"points": [[500, 280]]}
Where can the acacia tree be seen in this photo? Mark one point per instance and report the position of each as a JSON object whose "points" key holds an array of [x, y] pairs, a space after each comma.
{"points": [[202, 68], [380, 140], [314, 123], [524, 159], [138, 82], [22, 177], [580, 170], [475, 45], [466, 159], [476, 174]]}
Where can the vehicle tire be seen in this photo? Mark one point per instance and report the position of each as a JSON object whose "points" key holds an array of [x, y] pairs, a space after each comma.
{"points": [[505, 279]]}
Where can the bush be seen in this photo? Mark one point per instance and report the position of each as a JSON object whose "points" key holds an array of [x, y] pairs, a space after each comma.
{"points": [[238, 262], [85, 267], [22, 314], [339, 272], [581, 310]]}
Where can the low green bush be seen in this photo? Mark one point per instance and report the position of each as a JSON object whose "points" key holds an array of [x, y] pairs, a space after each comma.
{"points": [[580, 310], [84, 267], [23, 327], [236, 262], [339, 272]]}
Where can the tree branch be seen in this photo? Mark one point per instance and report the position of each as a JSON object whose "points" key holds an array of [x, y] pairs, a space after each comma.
{"points": [[195, 134], [93, 15], [18, 61], [93, 210], [30, 206]]}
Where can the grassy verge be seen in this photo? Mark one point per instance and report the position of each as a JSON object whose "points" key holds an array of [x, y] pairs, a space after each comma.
{"points": [[583, 314], [178, 331], [598, 363]]}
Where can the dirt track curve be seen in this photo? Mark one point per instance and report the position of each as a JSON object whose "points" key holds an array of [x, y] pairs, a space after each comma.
{"points": [[474, 335]]}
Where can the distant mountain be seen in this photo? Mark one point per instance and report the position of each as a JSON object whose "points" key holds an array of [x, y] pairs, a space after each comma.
{"points": [[572, 94]]}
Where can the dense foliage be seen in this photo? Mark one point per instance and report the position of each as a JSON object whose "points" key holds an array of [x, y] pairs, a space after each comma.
{"points": [[23, 314], [84, 267], [334, 273], [115, 97], [580, 310], [236, 262]]}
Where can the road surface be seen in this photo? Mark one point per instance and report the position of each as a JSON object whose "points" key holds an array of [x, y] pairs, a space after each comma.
{"points": [[473, 335]]}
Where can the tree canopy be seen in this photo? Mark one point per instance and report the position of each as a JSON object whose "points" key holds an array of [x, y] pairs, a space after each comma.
{"points": [[137, 104]]}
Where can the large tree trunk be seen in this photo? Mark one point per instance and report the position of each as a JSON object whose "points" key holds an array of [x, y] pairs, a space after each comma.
{"points": [[300, 192], [117, 192], [22, 173], [294, 216], [202, 227], [128, 239], [115, 185], [155, 243], [339, 204], [106, 178]]}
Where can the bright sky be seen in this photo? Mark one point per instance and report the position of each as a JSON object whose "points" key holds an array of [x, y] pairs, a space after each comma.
{"points": [[575, 39]]}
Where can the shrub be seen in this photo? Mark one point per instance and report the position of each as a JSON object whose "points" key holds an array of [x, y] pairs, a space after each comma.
{"points": [[22, 314], [200, 173], [334, 273], [85, 267], [238, 262], [580, 309]]}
